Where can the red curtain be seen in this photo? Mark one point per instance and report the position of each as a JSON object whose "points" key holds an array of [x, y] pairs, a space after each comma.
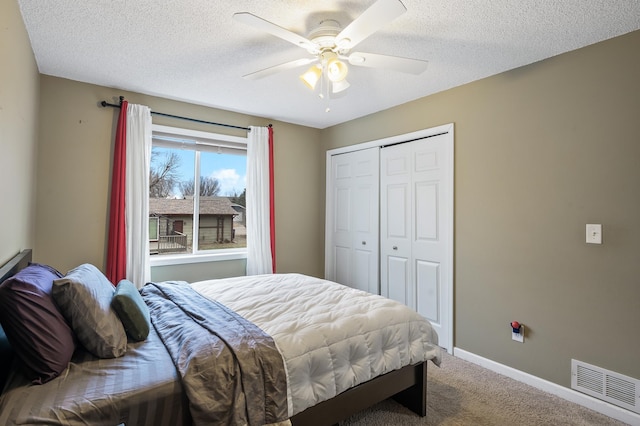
{"points": [[117, 243], [272, 213]]}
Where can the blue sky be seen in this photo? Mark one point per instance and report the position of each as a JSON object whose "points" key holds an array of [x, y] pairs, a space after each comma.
{"points": [[229, 170]]}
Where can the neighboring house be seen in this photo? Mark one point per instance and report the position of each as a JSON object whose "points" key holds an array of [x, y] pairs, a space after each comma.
{"points": [[171, 223], [241, 216]]}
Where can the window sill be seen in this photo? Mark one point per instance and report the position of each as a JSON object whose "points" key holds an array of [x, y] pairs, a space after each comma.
{"points": [[182, 259]]}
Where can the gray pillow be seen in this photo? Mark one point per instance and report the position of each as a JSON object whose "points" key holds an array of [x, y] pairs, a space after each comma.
{"points": [[84, 297], [132, 311]]}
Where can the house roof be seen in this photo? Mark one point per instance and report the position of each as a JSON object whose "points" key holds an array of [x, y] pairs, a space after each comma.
{"points": [[184, 206]]}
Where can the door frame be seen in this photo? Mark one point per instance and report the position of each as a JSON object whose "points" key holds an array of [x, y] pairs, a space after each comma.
{"points": [[446, 129]]}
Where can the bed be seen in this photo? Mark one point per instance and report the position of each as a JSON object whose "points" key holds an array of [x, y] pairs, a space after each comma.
{"points": [[338, 350]]}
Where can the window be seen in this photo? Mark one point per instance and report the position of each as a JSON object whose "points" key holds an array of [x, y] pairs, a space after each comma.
{"points": [[184, 221], [153, 228]]}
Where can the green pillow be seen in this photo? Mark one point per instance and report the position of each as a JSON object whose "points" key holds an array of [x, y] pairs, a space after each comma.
{"points": [[132, 311]]}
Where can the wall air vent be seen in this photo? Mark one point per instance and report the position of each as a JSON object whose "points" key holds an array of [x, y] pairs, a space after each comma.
{"points": [[606, 385]]}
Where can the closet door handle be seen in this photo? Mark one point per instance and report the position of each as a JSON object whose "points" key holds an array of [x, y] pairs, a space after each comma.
{"points": [[395, 247], [364, 243]]}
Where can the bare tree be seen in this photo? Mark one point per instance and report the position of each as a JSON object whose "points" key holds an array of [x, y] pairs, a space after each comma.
{"points": [[239, 198], [209, 186], [163, 175]]}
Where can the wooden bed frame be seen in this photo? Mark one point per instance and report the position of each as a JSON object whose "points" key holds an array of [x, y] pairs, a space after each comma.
{"points": [[407, 385]]}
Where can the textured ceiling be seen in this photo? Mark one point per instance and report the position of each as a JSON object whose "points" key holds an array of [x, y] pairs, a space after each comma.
{"points": [[192, 50]]}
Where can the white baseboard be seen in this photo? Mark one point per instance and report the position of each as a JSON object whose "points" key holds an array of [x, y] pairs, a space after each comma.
{"points": [[587, 401]]}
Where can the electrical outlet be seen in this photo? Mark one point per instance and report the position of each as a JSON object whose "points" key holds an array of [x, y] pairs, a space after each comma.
{"points": [[518, 337]]}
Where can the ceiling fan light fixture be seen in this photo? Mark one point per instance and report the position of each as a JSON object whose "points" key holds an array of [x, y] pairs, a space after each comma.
{"points": [[339, 86], [311, 77], [329, 46], [336, 70]]}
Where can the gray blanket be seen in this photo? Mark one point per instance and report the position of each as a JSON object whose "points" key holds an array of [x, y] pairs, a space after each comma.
{"points": [[231, 370]]}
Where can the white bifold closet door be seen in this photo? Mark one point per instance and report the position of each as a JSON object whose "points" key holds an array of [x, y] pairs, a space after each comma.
{"points": [[414, 227], [353, 200]]}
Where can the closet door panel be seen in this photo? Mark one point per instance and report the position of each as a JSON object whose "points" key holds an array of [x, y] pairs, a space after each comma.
{"points": [[428, 249], [428, 289], [339, 260], [362, 265], [396, 205], [354, 189], [398, 276], [342, 269], [426, 211]]}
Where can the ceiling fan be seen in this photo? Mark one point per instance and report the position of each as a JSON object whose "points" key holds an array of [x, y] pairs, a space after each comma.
{"points": [[329, 46]]}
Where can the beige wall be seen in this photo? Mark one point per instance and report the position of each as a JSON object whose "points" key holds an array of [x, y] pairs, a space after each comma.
{"points": [[76, 138], [193, 272], [541, 151], [18, 133]]}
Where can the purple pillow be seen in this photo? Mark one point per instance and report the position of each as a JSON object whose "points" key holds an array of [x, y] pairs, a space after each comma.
{"points": [[37, 331]]}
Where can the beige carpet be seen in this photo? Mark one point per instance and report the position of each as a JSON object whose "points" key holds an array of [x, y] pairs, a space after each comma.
{"points": [[462, 393]]}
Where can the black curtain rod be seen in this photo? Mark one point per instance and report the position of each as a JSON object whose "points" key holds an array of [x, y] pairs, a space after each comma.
{"points": [[107, 104]]}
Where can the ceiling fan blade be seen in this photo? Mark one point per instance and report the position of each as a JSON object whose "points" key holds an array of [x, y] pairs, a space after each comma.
{"points": [[373, 60], [273, 29], [375, 17], [278, 68]]}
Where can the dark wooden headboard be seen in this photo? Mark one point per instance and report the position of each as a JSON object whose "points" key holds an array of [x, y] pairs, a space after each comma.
{"points": [[18, 262]]}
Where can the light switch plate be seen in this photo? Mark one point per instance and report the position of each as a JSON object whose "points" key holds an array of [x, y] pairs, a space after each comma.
{"points": [[594, 233]]}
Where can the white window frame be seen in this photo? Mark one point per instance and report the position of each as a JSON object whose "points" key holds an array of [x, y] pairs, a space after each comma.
{"points": [[193, 138]]}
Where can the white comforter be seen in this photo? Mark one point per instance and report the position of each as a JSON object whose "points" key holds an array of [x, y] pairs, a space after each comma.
{"points": [[332, 337]]}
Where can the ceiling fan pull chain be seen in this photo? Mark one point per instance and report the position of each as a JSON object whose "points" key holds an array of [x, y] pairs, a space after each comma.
{"points": [[324, 87]]}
